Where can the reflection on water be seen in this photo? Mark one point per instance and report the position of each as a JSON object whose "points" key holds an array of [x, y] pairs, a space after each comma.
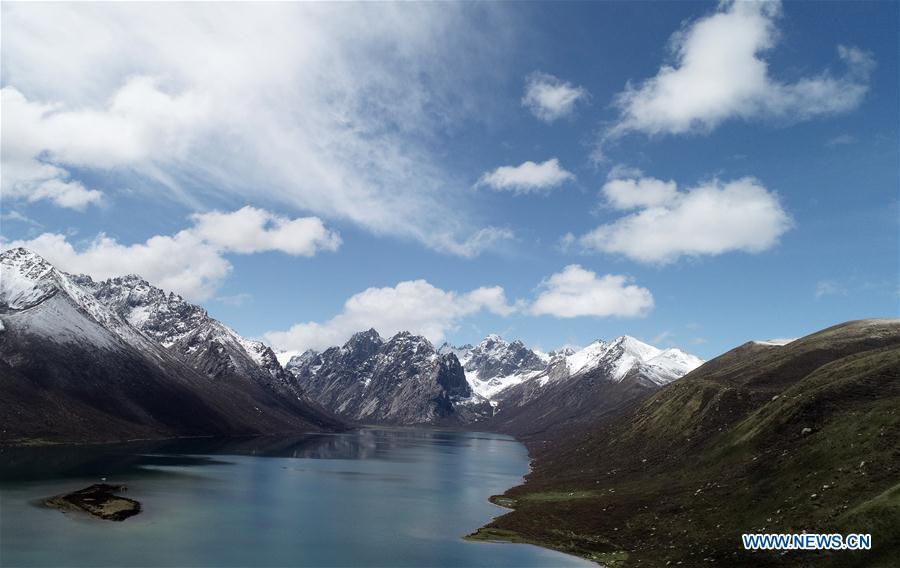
{"points": [[388, 497]]}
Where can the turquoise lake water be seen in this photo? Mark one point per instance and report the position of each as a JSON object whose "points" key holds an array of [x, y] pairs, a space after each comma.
{"points": [[371, 497]]}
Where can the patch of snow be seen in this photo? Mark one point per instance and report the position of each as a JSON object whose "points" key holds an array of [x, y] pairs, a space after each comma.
{"points": [[138, 316], [671, 364], [544, 356], [587, 357], [777, 342], [285, 356], [493, 386]]}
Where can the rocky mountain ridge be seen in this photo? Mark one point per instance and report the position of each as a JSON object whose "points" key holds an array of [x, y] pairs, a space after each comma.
{"points": [[75, 369], [402, 380], [187, 329], [499, 377]]}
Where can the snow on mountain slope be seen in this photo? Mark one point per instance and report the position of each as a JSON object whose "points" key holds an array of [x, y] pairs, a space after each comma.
{"points": [[186, 328], [775, 342], [496, 364], [586, 358], [57, 303], [626, 353], [78, 371], [671, 364]]}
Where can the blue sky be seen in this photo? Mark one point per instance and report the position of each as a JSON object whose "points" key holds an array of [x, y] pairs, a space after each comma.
{"points": [[722, 172]]}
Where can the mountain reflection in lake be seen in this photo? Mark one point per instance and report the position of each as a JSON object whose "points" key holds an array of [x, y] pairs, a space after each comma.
{"points": [[386, 497]]}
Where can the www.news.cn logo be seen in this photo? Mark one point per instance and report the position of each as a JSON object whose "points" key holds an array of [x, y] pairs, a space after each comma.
{"points": [[807, 541]]}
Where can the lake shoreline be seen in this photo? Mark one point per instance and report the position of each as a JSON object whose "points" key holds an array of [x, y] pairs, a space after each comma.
{"points": [[418, 492]]}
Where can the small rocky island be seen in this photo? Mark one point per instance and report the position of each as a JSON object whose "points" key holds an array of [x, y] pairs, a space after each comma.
{"points": [[99, 500]]}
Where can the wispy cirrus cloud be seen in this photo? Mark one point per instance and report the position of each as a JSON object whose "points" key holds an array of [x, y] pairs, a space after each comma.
{"points": [[328, 109], [829, 288]]}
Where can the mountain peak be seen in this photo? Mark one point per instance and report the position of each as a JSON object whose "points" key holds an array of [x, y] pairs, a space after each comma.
{"points": [[364, 342], [636, 347], [20, 252], [27, 279], [24, 260]]}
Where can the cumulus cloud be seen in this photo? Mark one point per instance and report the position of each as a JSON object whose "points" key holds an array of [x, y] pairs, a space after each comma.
{"points": [[324, 108], [710, 219], [528, 177], [190, 262], [415, 306], [250, 230], [719, 72], [549, 98], [577, 291], [639, 192], [422, 308]]}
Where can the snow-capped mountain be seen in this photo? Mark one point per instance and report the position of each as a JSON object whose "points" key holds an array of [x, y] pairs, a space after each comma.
{"points": [[403, 380], [589, 382], [626, 354], [205, 343], [76, 369], [495, 364], [406, 381]]}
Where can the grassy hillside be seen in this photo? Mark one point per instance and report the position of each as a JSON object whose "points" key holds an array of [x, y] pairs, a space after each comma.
{"points": [[803, 437]]}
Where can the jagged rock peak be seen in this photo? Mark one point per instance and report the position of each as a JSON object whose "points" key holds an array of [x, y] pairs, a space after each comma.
{"points": [[368, 340]]}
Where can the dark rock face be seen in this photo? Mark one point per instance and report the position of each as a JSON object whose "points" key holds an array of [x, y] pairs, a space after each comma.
{"points": [[452, 377], [400, 381], [73, 369], [494, 357]]}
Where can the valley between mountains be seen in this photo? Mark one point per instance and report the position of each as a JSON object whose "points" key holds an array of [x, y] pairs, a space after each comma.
{"points": [[641, 456]]}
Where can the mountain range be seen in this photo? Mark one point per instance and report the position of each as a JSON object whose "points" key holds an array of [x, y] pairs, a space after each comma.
{"points": [[120, 359], [640, 454], [504, 385]]}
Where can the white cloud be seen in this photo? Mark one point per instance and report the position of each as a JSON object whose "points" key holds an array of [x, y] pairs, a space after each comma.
{"points": [[710, 219], [841, 140], [720, 72], [139, 124], [415, 306], [639, 192], [327, 108], [479, 241], [576, 292], [421, 308], [549, 98], [16, 216], [250, 230], [829, 288], [190, 262], [528, 177]]}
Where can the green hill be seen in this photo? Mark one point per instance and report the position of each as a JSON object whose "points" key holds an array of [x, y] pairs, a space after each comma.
{"points": [[765, 438]]}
